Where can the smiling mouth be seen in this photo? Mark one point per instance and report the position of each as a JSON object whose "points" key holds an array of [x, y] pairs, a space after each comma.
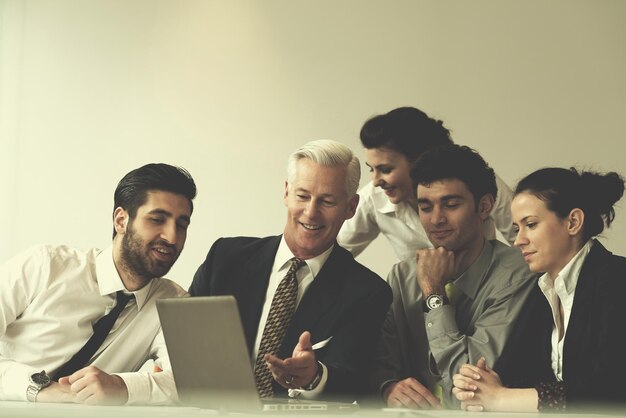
{"points": [[441, 234], [163, 253], [310, 227], [527, 255]]}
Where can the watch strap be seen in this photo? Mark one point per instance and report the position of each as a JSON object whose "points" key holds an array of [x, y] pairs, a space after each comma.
{"points": [[316, 380], [36, 382]]}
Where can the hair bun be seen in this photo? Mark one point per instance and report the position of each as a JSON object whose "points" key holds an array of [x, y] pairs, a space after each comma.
{"points": [[601, 192]]}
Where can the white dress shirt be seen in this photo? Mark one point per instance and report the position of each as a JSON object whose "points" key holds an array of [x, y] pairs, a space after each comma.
{"points": [[563, 287], [401, 225], [50, 297], [305, 276]]}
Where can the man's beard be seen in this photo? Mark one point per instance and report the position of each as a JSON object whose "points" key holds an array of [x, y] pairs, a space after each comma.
{"points": [[135, 256]]}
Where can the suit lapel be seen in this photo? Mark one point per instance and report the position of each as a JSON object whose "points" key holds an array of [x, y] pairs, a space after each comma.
{"points": [[320, 299], [578, 330], [252, 281]]}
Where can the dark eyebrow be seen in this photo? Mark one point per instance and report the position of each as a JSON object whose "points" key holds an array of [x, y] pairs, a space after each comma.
{"points": [[378, 165], [159, 212], [163, 212], [443, 198], [452, 197]]}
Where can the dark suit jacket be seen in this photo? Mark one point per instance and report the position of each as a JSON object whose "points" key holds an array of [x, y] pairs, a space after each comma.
{"points": [[346, 301], [594, 370]]}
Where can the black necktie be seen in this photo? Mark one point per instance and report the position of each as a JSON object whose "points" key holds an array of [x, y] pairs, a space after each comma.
{"points": [[100, 331]]}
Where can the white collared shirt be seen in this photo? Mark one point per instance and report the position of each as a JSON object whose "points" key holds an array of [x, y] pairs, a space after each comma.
{"points": [[562, 288], [400, 223], [305, 276], [50, 297]]}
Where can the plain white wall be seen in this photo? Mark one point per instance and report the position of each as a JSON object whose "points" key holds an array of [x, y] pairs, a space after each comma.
{"points": [[92, 89]]}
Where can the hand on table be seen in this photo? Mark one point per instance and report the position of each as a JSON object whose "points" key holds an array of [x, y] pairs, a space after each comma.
{"points": [[409, 393], [92, 386]]}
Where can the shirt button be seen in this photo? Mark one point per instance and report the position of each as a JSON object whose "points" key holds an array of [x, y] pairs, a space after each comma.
{"points": [[430, 324]]}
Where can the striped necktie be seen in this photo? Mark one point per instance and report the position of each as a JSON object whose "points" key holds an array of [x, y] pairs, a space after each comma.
{"points": [[278, 320]]}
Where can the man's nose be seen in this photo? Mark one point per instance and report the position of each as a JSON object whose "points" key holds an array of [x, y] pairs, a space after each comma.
{"points": [[170, 232], [437, 216], [311, 209]]}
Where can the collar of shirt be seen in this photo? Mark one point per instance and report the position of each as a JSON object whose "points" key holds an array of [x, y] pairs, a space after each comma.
{"points": [[470, 280], [284, 254], [402, 211], [109, 280], [382, 202], [281, 265], [564, 284]]}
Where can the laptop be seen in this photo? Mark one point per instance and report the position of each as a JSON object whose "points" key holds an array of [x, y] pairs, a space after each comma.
{"points": [[210, 360]]}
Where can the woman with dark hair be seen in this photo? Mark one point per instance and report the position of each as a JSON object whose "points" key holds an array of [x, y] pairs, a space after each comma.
{"points": [[557, 212], [393, 142]]}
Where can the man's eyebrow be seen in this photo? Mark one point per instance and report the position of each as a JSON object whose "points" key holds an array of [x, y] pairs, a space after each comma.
{"points": [[451, 197], [322, 196], [442, 199], [159, 211]]}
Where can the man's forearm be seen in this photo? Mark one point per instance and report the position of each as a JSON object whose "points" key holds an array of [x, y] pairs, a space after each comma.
{"points": [[150, 388]]}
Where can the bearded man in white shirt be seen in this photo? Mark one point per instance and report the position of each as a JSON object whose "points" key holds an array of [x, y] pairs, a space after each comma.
{"points": [[52, 297]]}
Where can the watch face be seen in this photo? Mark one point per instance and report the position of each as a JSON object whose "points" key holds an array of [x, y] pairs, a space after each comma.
{"points": [[41, 379], [434, 301]]}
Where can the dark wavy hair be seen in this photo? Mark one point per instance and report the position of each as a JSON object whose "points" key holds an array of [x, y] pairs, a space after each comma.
{"points": [[406, 130], [456, 162], [132, 190], [565, 189]]}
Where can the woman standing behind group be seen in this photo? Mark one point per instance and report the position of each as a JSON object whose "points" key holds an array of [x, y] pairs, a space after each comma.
{"points": [[582, 286], [388, 204]]}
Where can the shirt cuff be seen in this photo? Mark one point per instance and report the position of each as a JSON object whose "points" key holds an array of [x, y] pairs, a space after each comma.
{"points": [[383, 386], [15, 381], [440, 321], [150, 388], [315, 392]]}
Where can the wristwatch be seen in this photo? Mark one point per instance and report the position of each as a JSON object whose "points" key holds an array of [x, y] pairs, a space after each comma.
{"points": [[434, 301], [37, 382], [316, 379]]}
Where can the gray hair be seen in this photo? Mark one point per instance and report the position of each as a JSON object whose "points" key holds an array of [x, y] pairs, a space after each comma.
{"points": [[328, 153]]}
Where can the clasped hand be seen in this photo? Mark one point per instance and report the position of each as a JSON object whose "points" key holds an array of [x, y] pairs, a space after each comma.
{"points": [[478, 387]]}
